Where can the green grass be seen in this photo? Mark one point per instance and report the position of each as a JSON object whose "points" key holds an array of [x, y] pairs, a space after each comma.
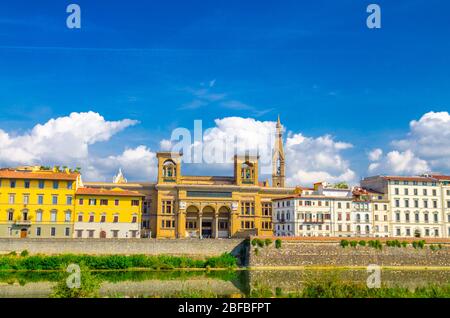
{"points": [[113, 262]]}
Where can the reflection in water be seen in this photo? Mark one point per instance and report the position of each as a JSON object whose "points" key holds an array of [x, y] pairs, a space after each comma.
{"points": [[215, 283]]}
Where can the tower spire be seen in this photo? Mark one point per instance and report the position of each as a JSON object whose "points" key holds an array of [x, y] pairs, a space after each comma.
{"points": [[278, 167]]}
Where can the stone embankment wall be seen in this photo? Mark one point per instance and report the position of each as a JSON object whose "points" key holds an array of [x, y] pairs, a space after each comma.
{"points": [[298, 253], [188, 247]]}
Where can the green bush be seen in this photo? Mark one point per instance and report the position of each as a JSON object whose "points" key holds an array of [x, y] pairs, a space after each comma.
{"points": [[344, 243], [254, 242], [353, 243], [260, 243], [404, 244], [268, 241], [89, 286], [277, 243], [256, 251], [362, 243], [24, 253]]}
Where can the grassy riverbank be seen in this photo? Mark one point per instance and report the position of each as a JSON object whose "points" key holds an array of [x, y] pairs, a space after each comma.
{"points": [[113, 262]]}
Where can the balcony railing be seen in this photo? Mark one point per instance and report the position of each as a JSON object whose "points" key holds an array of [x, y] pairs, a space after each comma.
{"points": [[22, 222]]}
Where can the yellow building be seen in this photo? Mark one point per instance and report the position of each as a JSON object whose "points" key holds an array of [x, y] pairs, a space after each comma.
{"points": [[103, 213], [37, 202]]}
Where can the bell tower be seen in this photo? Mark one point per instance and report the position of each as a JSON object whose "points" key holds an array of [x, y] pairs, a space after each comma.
{"points": [[278, 168]]}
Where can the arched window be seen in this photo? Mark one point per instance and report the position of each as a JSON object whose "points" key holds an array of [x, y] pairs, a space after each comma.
{"points": [[247, 172], [169, 170], [367, 229], [358, 229]]}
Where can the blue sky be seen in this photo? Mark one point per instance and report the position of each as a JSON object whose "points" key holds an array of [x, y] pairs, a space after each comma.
{"points": [[167, 63]]}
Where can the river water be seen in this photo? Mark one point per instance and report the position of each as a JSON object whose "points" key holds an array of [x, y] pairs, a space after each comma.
{"points": [[214, 283]]}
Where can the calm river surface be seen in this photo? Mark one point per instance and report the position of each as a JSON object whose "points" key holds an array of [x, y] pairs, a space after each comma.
{"points": [[221, 283]]}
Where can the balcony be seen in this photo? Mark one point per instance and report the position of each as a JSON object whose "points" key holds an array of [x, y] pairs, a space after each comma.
{"points": [[22, 222]]}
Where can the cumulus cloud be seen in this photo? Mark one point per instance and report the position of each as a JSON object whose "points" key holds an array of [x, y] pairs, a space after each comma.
{"points": [[308, 159], [425, 148], [67, 140], [375, 154]]}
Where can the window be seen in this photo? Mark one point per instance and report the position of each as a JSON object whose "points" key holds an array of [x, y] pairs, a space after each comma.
{"points": [[80, 202], [376, 206], [435, 204], [133, 233], [416, 203], [26, 184], [53, 231], [134, 219], [267, 209], [134, 202], [79, 233], [53, 216], [38, 231], [103, 202], [397, 216], [41, 184], [90, 233], [406, 191], [408, 232], [55, 184], [425, 216], [348, 205], [436, 218], [396, 191], [26, 199], [54, 199], [115, 233], [265, 225], [398, 232], [69, 200], [80, 217], [406, 217], [247, 224], [406, 203], [91, 218], [12, 183], [436, 232], [10, 216], [425, 192], [92, 201], [191, 225], [339, 205], [405, 182], [397, 203], [116, 202], [425, 203], [69, 185], [416, 217], [434, 193], [67, 231], [11, 198], [347, 216], [167, 207], [448, 204], [248, 208], [339, 216], [416, 192], [103, 218], [116, 218], [40, 199], [39, 216], [67, 216]]}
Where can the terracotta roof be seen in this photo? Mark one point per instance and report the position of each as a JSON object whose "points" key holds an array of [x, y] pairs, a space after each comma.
{"points": [[441, 177], [107, 192], [403, 178], [47, 175]]}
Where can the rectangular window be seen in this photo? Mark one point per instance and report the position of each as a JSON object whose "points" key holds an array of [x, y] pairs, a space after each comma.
{"points": [[425, 192], [10, 216], [69, 185], [54, 199], [103, 202], [116, 202], [53, 216], [167, 207], [397, 203], [79, 233], [425, 203], [398, 232], [26, 199], [67, 216], [434, 193], [55, 184], [40, 199], [397, 217], [396, 191], [91, 233], [247, 208], [267, 209], [406, 203], [11, 198], [134, 219], [115, 233], [67, 231], [416, 203], [92, 201], [416, 217], [435, 204], [416, 192], [69, 200], [80, 217], [53, 231], [12, 183], [406, 191], [91, 218], [26, 184], [436, 218], [339, 205], [134, 202], [41, 184], [80, 201], [116, 219], [103, 218], [38, 231], [39, 216]]}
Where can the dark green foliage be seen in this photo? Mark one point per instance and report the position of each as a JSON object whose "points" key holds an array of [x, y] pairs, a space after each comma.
{"points": [[89, 288], [353, 243], [277, 243], [362, 243], [344, 243], [268, 241], [24, 253]]}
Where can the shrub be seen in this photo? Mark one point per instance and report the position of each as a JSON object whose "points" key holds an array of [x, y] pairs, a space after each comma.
{"points": [[24, 253], [89, 287], [268, 241], [362, 243], [421, 243], [414, 244], [353, 243], [256, 251], [344, 243], [278, 243], [404, 244], [260, 243], [254, 242], [13, 253]]}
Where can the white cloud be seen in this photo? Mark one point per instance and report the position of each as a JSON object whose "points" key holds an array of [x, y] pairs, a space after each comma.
{"points": [[425, 148], [67, 141], [375, 154], [308, 159]]}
